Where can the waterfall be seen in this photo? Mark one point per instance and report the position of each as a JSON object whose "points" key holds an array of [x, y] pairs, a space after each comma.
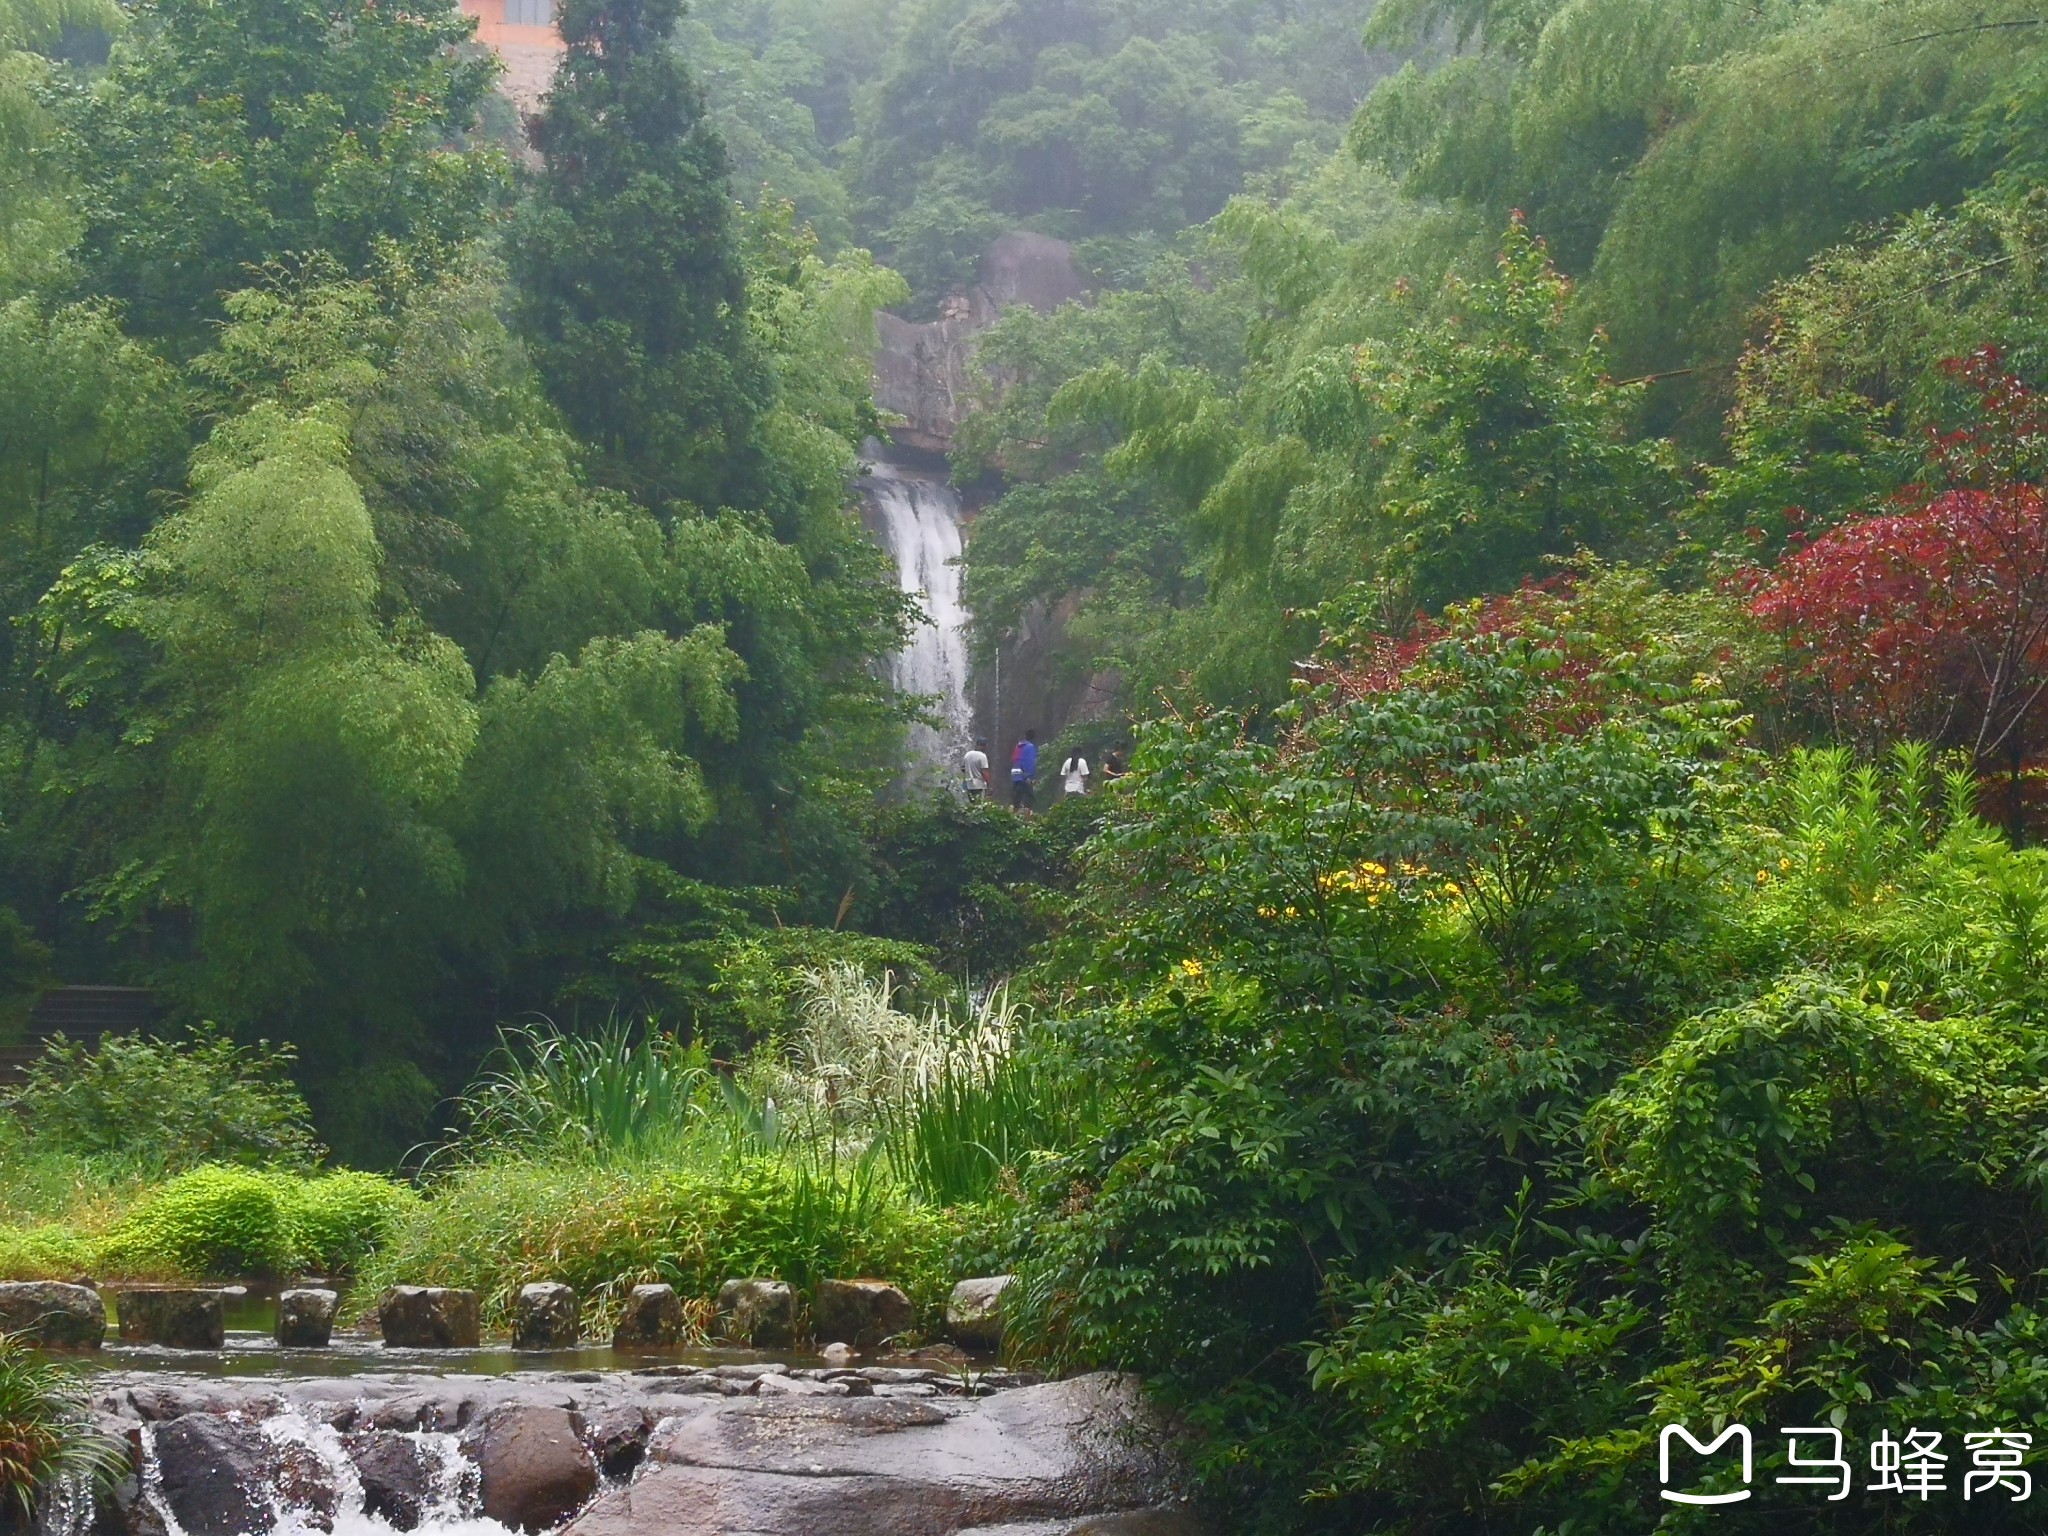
{"points": [[315, 1489], [920, 525]]}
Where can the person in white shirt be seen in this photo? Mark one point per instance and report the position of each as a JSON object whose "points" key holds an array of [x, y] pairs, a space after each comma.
{"points": [[974, 768], [1074, 772]]}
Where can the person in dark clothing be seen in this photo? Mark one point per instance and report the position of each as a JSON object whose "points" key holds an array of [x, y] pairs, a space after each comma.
{"points": [[1023, 771]]}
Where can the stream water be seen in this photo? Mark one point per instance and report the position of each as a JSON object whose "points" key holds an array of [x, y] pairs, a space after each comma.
{"points": [[311, 1454], [920, 520]]}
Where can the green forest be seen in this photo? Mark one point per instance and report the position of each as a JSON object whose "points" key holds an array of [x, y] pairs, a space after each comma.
{"points": [[1555, 493]]}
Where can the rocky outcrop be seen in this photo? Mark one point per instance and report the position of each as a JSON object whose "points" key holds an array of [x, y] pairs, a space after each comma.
{"points": [[173, 1318], [305, 1318], [652, 1319], [862, 1313], [759, 1449], [617, 1437], [974, 1313], [924, 372], [429, 1317], [1062, 1458], [536, 1470], [54, 1316], [761, 1313], [546, 1316]]}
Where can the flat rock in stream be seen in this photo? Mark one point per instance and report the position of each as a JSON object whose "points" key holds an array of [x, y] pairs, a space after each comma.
{"points": [[1073, 1458], [1056, 1460]]}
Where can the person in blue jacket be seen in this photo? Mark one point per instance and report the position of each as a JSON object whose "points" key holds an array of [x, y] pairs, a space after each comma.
{"points": [[1023, 770]]}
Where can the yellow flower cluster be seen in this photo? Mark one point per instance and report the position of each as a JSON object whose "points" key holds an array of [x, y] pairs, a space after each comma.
{"points": [[1373, 880], [1360, 877]]}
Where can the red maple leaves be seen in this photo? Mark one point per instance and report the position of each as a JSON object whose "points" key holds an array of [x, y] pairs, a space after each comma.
{"points": [[1931, 620]]}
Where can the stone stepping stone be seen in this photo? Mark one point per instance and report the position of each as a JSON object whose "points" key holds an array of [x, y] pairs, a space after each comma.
{"points": [[429, 1317], [173, 1317], [54, 1316]]}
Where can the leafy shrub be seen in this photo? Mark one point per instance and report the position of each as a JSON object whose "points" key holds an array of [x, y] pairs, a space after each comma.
{"points": [[46, 1433], [46, 1252], [339, 1218], [165, 1106], [211, 1221]]}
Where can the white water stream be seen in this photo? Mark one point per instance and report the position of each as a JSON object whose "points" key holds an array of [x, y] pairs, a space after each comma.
{"points": [[452, 1504], [920, 517]]}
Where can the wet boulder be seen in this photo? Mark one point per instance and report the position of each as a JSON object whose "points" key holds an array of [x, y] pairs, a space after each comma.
{"points": [[757, 1312], [429, 1317], [54, 1316], [862, 1313], [536, 1470], [617, 1437], [305, 1318], [546, 1316], [397, 1474], [652, 1319], [172, 1317], [974, 1313], [219, 1475]]}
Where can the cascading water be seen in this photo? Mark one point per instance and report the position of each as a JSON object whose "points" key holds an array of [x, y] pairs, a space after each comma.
{"points": [[312, 1462], [920, 520]]}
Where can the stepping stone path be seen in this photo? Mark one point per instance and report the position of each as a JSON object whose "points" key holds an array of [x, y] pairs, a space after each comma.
{"points": [[761, 1313], [652, 1320], [974, 1313], [863, 1313]]}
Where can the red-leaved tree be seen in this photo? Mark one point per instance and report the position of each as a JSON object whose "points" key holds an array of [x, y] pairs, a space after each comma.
{"points": [[1929, 620]]}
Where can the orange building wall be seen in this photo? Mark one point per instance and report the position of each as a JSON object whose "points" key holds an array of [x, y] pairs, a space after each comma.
{"points": [[529, 52]]}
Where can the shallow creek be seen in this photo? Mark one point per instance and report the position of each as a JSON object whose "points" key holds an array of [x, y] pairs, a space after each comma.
{"points": [[363, 1440]]}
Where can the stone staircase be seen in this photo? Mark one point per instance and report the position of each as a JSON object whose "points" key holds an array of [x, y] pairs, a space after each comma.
{"points": [[86, 1015]]}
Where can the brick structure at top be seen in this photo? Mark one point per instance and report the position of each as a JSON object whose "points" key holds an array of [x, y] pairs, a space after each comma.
{"points": [[522, 33]]}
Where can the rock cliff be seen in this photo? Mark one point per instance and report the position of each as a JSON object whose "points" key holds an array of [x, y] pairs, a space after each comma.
{"points": [[924, 373]]}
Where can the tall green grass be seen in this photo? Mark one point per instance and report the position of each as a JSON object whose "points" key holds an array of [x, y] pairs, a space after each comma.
{"points": [[619, 1093], [493, 1227], [964, 1137], [869, 1142]]}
